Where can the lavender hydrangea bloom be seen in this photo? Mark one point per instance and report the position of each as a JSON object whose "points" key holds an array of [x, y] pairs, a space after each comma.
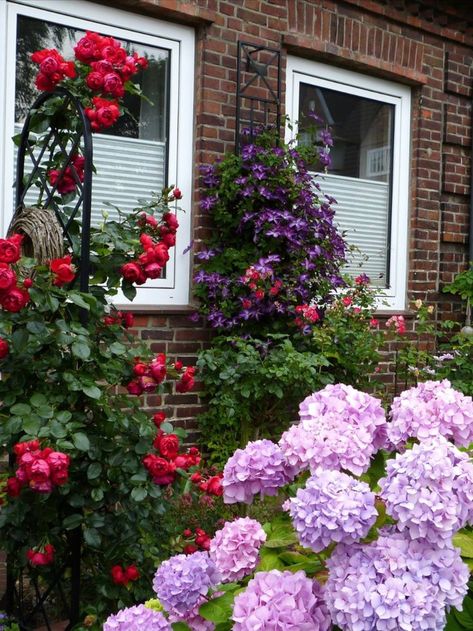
{"points": [[429, 490], [281, 601], [340, 428], [258, 468], [235, 548], [180, 581], [137, 618], [394, 583], [333, 507], [431, 408]]}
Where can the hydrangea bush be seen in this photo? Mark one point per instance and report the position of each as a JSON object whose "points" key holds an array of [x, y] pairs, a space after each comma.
{"points": [[364, 549]]}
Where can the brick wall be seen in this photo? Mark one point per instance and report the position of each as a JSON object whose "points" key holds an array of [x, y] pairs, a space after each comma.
{"points": [[422, 45]]}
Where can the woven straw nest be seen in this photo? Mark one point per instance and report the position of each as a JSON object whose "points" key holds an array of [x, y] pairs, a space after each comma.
{"points": [[43, 236]]}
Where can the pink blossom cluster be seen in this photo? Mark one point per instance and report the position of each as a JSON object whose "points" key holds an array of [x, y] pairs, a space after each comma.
{"points": [[39, 469], [340, 428], [258, 468], [281, 601], [397, 323], [235, 548], [430, 409], [429, 490]]}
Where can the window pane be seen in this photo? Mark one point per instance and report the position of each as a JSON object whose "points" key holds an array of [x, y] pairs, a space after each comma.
{"points": [[360, 175], [130, 158]]}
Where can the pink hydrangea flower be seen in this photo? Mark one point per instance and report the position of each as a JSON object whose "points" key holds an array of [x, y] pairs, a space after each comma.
{"points": [[235, 548], [429, 409], [258, 468], [281, 601], [340, 428]]}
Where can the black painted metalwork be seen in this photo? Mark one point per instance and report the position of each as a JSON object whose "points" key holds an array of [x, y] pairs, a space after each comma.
{"points": [[26, 596], [258, 72]]}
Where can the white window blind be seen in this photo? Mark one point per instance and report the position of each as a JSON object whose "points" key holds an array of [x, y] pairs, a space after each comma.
{"points": [[362, 213]]}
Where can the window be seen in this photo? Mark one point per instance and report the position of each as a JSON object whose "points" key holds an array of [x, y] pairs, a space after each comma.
{"points": [[369, 173], [144, 151]]}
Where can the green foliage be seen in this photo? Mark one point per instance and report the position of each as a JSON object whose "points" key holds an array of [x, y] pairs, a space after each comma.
{"points": [[254, 386], [62, 382]]}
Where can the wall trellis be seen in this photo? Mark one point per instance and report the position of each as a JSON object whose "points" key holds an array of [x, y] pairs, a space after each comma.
{"points": [[258, 96]]}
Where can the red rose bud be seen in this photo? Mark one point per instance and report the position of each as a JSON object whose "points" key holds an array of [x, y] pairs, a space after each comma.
{"points": [[203, 541], [171, 221], [27, 283], [190, 548], [63, 270], [176, 193], [159, 418], [4, 348], [13, 487], [37, 558], [128, 319], [140, 369], [187, 533], [178, 365], [118, 575], [214, 486], [132, 573], [134, 387]]}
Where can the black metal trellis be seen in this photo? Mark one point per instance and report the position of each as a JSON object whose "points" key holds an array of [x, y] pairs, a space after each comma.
{"points": [[258, 72], [27, 596]]}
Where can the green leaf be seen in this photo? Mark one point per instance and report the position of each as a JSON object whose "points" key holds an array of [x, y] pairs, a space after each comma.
{"points": [[129, 291], [139, 493], [20, 340], [37, 328], [281, 534], [57, 429], [31, 425], [92, 391], [94, 470], [218, 610], [92, 537], [464, 541], [38, 399], [80, 350], [269, 560], [81, 442], [72, 521], [180, 626], [20, 409], [78, 300], [97, 495], [117, 349]]}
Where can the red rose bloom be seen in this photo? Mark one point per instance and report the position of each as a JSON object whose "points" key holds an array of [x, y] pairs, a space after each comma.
{"points": [[10, 249], [128, 319], [63, 270], [14, 300], [167, 445], [135, 388], [132, 573], [214, 486], [159, 418], [176, 192], [118, 575], [13, 487], [131, 272], [190, 548], [7, 277], [113, 84], [153, 270], [94, 80]]}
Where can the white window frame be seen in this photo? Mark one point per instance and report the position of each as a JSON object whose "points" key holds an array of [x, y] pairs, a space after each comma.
{"points": [[180, 41], [334, 78]]}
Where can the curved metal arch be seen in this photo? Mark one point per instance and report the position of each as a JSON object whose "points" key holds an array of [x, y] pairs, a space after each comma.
{"points": [[84, 202]]}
